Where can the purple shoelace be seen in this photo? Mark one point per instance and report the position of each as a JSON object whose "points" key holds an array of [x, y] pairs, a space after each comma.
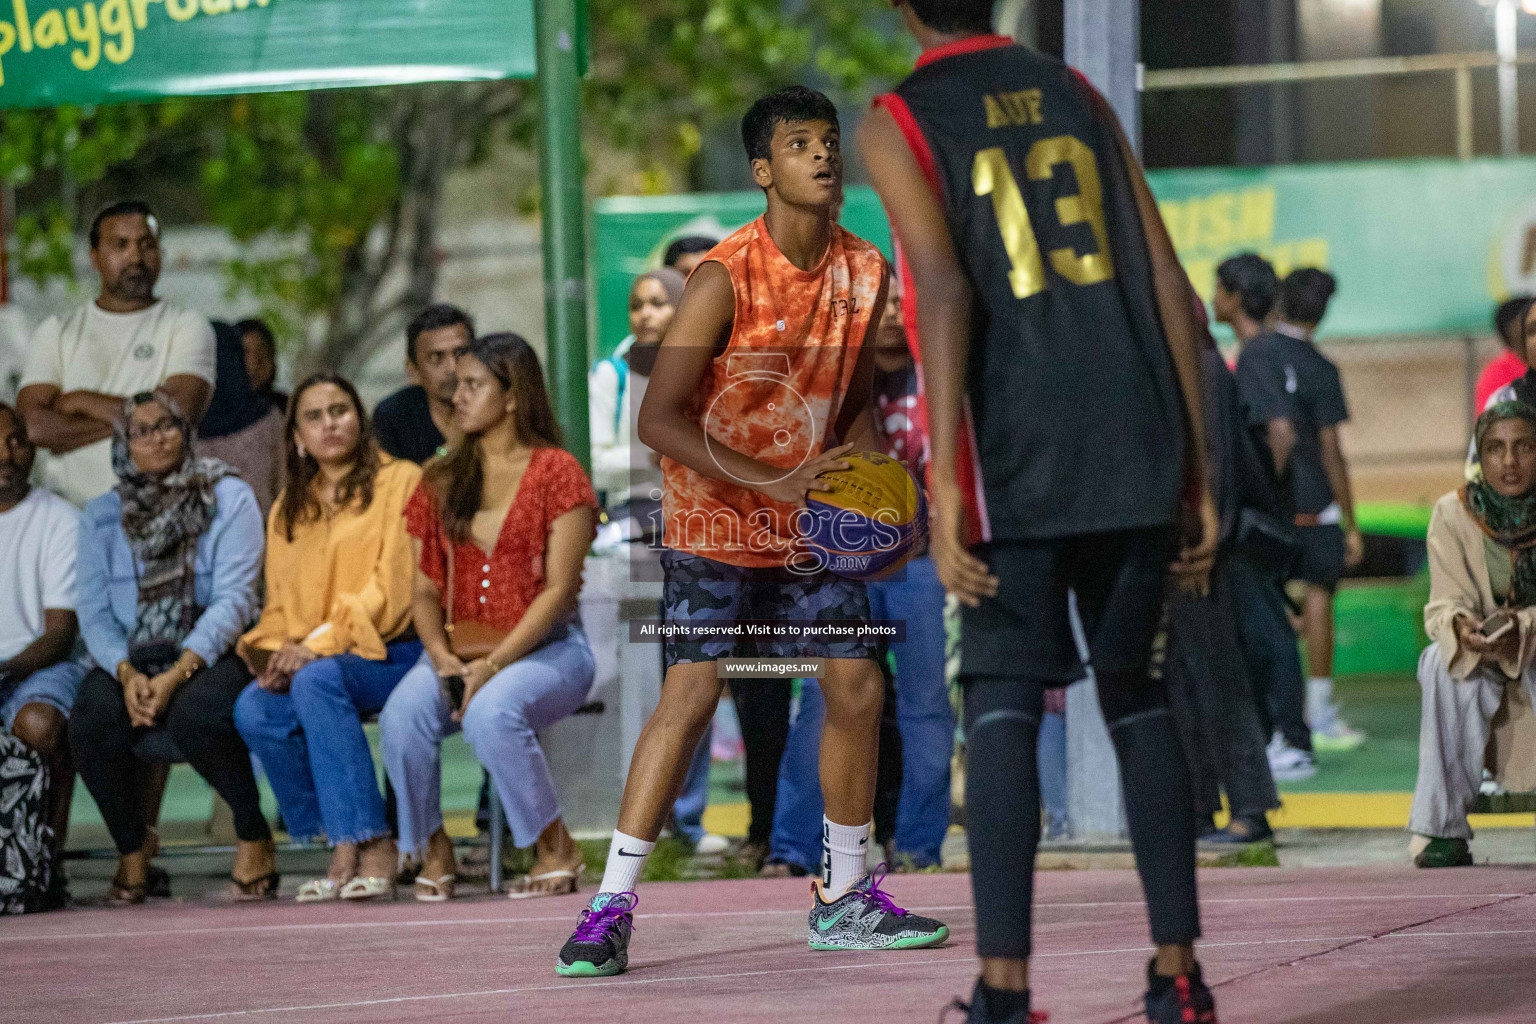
{"points": [[595, 924], [879, 896]]}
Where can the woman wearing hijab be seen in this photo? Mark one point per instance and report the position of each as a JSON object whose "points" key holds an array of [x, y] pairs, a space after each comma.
{"points": [[616, 385], [242, 428], [1481, 621], [166, 577]]}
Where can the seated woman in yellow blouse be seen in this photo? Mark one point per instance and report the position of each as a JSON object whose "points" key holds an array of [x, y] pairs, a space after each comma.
{"points": [[335, 635]]}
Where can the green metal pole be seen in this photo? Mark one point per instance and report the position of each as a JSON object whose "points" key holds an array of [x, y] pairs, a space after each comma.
{"points": [[563, 215]]}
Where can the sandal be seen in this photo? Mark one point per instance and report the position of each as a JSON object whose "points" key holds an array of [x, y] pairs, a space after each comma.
{"points": [[368, 887], [435, 890], [571, 879], [256, 890], [120, 895], [157, 883], [319, 890]]}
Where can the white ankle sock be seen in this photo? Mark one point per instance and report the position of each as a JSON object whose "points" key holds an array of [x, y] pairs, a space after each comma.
{"points": [[1319, 701], [843, 850], [626, 859]]}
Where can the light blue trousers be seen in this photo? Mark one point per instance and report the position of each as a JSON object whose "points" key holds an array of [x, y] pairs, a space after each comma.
{"points": [[501, 725]]}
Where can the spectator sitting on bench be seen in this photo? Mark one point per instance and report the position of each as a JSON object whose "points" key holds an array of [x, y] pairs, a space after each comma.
{"points": [[334, 637], [499, 527], [1481, 619], [38, 678], [168, 563]]}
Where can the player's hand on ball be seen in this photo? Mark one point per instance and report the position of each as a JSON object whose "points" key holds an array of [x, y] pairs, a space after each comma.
{"points": [[1192, 569], [792, 489], [962, 573]]}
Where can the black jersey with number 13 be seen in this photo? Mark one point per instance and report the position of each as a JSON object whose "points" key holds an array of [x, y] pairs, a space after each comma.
{"points": [[1073, 404]]}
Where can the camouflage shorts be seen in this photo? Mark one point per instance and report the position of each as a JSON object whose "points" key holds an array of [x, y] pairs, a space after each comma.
{"points": [[699, 589]]}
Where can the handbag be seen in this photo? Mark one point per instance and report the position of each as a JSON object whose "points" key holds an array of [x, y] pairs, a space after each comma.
{"points": [[152, 657], [26, 838], [467, 640]]}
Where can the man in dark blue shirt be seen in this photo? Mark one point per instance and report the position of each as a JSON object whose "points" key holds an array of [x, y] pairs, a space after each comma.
{"points": [[1292, 391]]}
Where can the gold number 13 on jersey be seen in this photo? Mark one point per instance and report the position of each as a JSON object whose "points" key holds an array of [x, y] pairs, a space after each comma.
{"points": [[992, 176]]}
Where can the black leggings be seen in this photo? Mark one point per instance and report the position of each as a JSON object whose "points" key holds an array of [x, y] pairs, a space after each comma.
{"points": [[201, 722], [1002, 786]]}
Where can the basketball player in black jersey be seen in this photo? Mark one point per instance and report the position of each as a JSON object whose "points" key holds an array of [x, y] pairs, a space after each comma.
{"points": [[1057, 339]]}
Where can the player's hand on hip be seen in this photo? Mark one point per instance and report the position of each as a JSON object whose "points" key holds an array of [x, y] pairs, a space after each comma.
{"points": [[1192, 569], [793, 488], [962, 573]]}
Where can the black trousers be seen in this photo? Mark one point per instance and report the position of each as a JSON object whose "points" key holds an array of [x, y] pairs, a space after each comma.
{"points": [[1213, 704], [888, 765], [199, 721], [762, 708], [1269, 649]]}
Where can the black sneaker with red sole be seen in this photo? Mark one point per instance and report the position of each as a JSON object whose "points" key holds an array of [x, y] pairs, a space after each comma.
{"points": [[1180, 1000]]}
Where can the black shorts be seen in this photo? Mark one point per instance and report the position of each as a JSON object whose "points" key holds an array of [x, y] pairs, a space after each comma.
{"points": [[1322, 555], [1120, 579], [702, 590]]}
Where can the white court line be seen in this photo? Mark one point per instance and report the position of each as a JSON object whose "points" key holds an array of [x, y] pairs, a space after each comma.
{"points": [[500, 921], [1452, 935], [631, 982]]}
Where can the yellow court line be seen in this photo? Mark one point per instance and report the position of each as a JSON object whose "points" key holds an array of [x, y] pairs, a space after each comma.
{"points": [[1368, 810], [1298, 810]]}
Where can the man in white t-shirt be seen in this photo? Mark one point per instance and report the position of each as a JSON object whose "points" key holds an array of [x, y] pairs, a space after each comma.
{"points": [[38, 679], [81, 366]]}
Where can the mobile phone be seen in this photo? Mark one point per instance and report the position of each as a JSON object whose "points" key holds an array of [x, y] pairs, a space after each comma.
{"points": [[453, 686], [1502, 622]]}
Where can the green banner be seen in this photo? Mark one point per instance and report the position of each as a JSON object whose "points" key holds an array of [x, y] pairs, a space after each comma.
{"points": [[1418, 246], [107, 51]]}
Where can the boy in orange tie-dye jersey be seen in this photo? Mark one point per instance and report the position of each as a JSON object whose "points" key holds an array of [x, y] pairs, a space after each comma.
{"points": [[762, 383]]}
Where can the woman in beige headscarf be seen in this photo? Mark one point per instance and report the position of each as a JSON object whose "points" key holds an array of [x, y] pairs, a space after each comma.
{"points": [[1481, 619]]}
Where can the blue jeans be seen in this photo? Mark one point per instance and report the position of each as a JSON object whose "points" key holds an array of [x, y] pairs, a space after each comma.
{"points": [[328, 787], [797, 814], [55, 686], [688, 810], [1051, 761], [923, 712], [501, 724]]}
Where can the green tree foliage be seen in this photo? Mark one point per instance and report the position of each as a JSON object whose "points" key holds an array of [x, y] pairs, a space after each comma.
{"points": [[337, 196]]}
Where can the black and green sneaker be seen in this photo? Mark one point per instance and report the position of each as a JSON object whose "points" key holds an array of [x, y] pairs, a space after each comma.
{"points": [[599, 948], [864, 917]]}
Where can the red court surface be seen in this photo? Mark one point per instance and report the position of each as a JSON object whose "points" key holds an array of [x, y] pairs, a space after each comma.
{"points": [[1283, 946]]}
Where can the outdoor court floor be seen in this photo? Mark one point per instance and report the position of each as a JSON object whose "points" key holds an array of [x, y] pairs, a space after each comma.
{"points": [[1298, 946]]}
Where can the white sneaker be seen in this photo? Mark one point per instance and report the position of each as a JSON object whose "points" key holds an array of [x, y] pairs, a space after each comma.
{"points": [[1336, 734], [1287, 764], [711, 845]]}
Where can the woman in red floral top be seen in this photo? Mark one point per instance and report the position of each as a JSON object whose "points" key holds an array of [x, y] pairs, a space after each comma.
{"points": [[512, 514]]}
